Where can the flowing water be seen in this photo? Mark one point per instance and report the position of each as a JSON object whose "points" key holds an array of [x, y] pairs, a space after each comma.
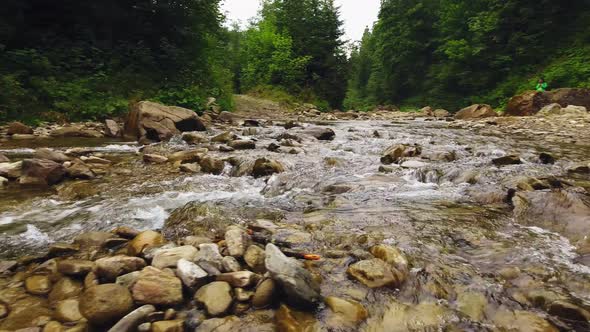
{"points": [[335, 199]]}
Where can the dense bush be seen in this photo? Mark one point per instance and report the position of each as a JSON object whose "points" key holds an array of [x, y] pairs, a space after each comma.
{"points": [[89, 60]]}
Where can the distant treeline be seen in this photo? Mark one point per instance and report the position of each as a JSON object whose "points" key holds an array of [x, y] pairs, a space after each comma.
{"points": [[451, 53]]}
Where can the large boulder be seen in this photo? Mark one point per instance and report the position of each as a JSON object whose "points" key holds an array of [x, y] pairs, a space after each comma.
{"points": [[477, 111], [45, 171], [322, 134], [157, 122], [531, 102], [556, 110], [19, 128]]}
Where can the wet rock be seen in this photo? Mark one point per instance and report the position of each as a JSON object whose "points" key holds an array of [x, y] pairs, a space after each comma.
{"points": [[264, 294], [242, 145], [236, 240], [79, 170], [224, 137], [392, 256], [23, 319], [216, 297], [154, 159], [289, 320], [568, 311], [75, 267], [143, 241], [194, 138], [580, 168], [212, 165], [46, 171], [112, 128], [254, 258], [168, 326], [258, 168], [400, 317], [231, 264], [195, 218], [67, 311], [110, 268], [240, 279], [522, 321], [344, 312], [375, 273], [49, 154], [296, 281], [472, 305], [476, 111], [38, 285], [507, 160], [132, 320], [209, 253], [187, 156], [64, 289], [104, 304], [322, 134], [395, 153], [226, 324], [164, 258], [18, 128], [190, 168], [567, 212], [546, 158], [157, 122], [190, 273], [3, 181], [11, 170], [156, 287], [75, 131]]}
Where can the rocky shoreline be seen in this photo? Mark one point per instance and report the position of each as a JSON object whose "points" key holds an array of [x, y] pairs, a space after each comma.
{"points": [[203, 272]]}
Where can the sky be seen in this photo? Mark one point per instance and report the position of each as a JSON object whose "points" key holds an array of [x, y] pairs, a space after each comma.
{"points": [[356, 14]]}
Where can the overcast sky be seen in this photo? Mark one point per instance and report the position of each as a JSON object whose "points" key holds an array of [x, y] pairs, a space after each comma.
{"points": [[357, 14]]}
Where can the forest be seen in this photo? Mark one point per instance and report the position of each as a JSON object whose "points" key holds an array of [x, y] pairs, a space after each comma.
{"points": [[76, 60]]}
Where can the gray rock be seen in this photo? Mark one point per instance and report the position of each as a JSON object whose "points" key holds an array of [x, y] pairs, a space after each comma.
{"points": [[49, 154], [111, 267], [130, 322], [295, 280], [231, 264], [322, 134], [112, 128], [190, 273], [209, 253]]}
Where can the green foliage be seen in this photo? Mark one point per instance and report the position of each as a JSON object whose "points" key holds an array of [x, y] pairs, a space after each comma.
{"points": [[296, 46], [89, 60], [450, 53]]}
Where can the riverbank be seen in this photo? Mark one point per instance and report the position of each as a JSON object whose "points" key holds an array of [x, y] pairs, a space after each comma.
{"points": [[420, 223]]}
